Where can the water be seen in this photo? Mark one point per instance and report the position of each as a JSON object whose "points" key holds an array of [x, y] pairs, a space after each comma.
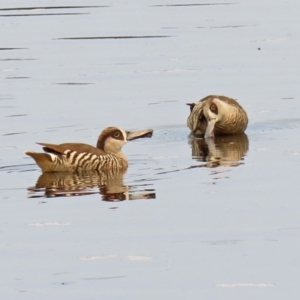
{"points": [[190, 218]]}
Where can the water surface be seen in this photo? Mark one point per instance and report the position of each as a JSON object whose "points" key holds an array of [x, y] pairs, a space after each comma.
{"points": [[210, 219]]}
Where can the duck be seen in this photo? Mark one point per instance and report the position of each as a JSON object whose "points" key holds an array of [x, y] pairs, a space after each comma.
{"points": [[215, 116], [76, 157]]}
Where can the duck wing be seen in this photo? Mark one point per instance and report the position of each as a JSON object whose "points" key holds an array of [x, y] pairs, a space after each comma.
{"points": [[77, 147]]}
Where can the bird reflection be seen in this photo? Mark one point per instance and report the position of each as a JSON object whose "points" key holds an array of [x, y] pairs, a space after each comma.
{"points": [[220, 150], [109, 184]]}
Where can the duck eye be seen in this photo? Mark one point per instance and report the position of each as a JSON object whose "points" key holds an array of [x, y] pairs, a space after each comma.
{"points": [[214, 108], [117, 134]]}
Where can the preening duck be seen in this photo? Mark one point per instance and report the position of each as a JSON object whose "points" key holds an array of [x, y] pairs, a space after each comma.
{"points": [[107, 154], [216, 115]]}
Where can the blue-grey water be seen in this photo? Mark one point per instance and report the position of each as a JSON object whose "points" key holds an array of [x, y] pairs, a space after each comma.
{"points": [[190, 219]]}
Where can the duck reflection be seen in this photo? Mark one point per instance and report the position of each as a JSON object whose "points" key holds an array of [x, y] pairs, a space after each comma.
{"points": [[109, 184], [220, 150]]}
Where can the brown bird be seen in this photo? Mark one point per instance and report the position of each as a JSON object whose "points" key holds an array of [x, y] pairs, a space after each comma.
{"points": [[107, 155], [216, 115]]}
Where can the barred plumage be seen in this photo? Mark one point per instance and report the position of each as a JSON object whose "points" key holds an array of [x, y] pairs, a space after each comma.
{"points": [[76, 157], [217, 115]]}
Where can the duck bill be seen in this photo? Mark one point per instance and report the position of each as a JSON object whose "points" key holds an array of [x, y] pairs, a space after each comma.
{"points": [[210, 128], [133, 135]]}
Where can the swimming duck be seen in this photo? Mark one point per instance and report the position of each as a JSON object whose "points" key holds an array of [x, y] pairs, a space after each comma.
{"points": [[216, 115], [107, 154]]}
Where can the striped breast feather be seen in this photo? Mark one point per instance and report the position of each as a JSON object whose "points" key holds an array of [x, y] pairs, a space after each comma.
{"points": [[90, 161], [75, 158], [109, 161]]}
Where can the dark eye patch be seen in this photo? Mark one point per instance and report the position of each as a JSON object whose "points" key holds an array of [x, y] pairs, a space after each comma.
{"points": [[118, 135], [214, 108]]}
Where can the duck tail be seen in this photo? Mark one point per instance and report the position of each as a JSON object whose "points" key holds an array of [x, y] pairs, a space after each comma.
{"points": [[44, 160]]}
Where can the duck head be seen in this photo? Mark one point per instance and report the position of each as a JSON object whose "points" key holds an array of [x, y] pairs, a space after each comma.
{"points": [[213, 111], [213, 114], [112, 139]]}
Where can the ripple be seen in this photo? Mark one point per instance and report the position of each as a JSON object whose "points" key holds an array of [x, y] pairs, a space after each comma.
{"points": [[20, 115], [42, 15], [9, 48], [13, 133], [192, 4], [74, 83], [114, 37], [51, 7], [17, 77]]}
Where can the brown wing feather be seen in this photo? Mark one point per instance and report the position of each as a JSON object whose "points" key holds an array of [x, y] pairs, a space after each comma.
{"points": [[223, 98], [228, 100], [78, 147]]}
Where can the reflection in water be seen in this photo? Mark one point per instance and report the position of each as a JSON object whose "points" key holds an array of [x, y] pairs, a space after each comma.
{"points": [[109, 184], [220, 150]]}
